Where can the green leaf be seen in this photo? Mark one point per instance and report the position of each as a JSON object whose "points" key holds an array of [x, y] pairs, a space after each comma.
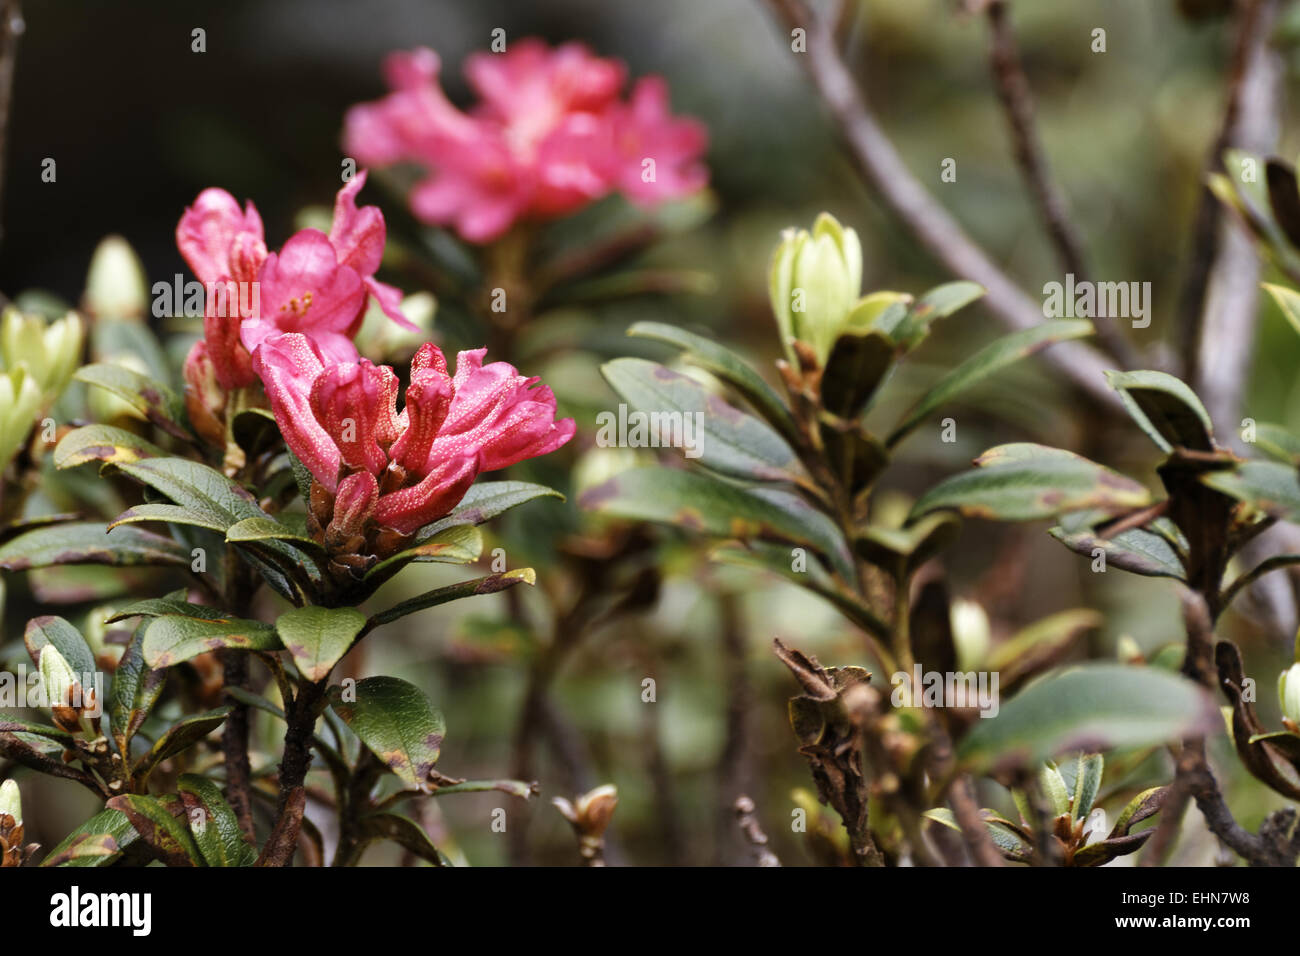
{"points": [[403, 831], [1145, 805], [457, 544], [1103, 851], [987, 361], [397, 723], [1091, 707], [169, 514], [852, 452], [268, 529], [725, 439], [182, 735], [318, 637], [515, 788], [1136, 550], [905, 549], [484, 501], [202, 490], [113, 338], [213, 823], [1087, 781], [1052, 784], [1038, 644], [1288, 301], [1024, 482], [166, 835], [1277, 442], [136, 689], [490, 584], [939, 303], [713, 358], [85, 846], [1269, 486], [172, 639], [12, 725], [215, 502], [706, 505], [1010, 842], [87, 542], [102, 443], [1165, 408], [65, 638], [172, 605], [106, 823], [151, 398], [857, 365]]}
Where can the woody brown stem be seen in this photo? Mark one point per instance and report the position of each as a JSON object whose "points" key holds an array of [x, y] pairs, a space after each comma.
{"points": [[301, 714]]}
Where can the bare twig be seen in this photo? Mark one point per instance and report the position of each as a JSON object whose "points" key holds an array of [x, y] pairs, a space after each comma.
{"points": [[1193, 779], [1198, 665], [753, 833], [1250, 58], [965, 811], [932, 225], [234, 745], [1017, 102], [301, 713], [1225, 340]]}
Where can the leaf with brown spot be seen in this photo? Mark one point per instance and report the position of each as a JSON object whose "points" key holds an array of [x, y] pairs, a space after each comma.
{"points": [[84, 845], [152, 399], [396, 722], [66, 639], [104, 443], [135, 690], [110, 824], [1025, 482], [318, 637], [172, 639], [88, 542], [213, 823], [167, 836]]}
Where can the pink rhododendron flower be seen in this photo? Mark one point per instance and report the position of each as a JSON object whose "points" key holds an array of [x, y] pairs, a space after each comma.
{"points": [[403, 469], [549, 135], [316, 284]]}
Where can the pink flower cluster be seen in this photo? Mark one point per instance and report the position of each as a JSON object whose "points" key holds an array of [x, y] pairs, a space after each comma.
{"points": [[317, 284], [374, 468], [404, 469], [549, 135]]}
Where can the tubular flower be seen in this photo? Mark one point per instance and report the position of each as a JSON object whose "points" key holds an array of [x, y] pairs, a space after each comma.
{"points": [[548, 136], [379, 475], [317, 284]]}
